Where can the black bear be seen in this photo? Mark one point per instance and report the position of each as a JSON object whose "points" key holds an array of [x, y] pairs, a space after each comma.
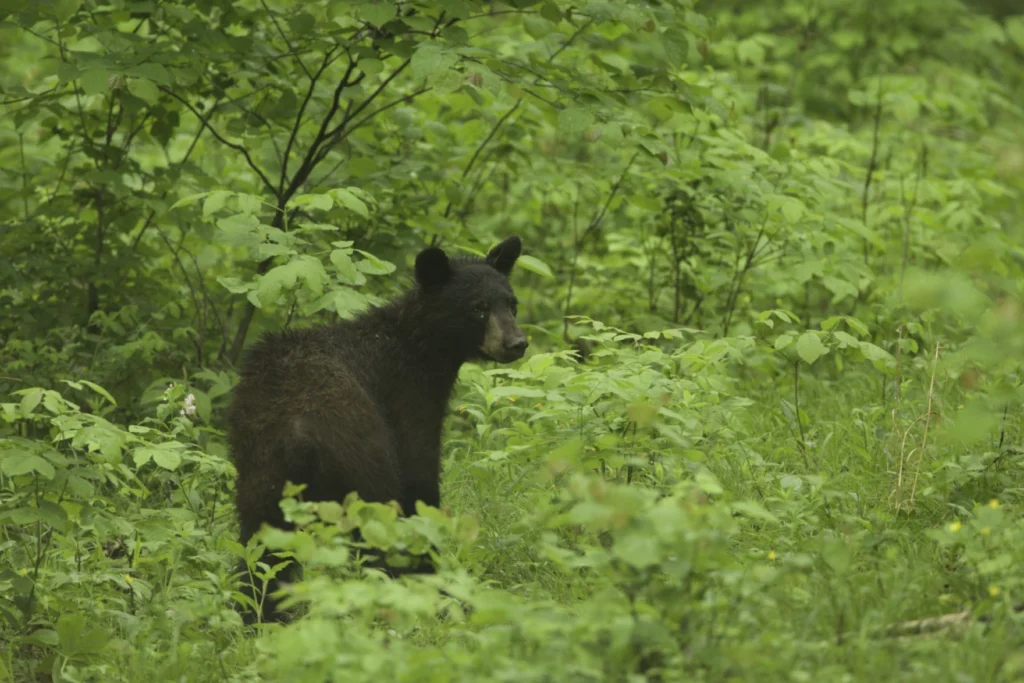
{"points": [[359, 405]]}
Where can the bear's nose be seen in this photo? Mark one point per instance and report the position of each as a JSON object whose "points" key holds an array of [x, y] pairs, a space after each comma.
{"points": [[518, 346]]}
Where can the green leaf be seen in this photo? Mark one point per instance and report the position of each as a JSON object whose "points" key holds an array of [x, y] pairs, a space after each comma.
{"points": [[17, 463], [157, 73], [792, 209], [44, 637], [809, 347], [53, 402], [347, 301], [30, 401], [754, 510], [708, 483], [574, 120], [750, 51], [249, 203], [568, 450], [312, 273], [783, 340], [637, 548], [537, 26], [351, 202], [1015, 29], [677, 46], [215, 201], [77, 639], [371, 67], [431, 61], [190, 199], [95, 387], [847, 340], [239, 230], [270, 286], [65, 9], [65, 72], [837, 554], [167, 459], [145, 90], [534, 265], [856, 325], [70, 627], [164, 455], [234, 285], [346, 268], [47, 512], [513, 391], [857, 227], [142, 455], [94, 81], [378, 534], [372, 265], [458, 9], [875, 353], [377, 13], [320, 202], [549, 10]]}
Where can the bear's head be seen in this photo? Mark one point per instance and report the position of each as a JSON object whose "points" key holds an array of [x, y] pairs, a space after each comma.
{"points": [[471, 301]]}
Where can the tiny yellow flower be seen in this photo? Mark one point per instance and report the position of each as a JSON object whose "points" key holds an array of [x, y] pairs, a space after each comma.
{"points": [[771, 554], [986, 531], [462, 409], [537, 406], [993, 503], [955, 526], [993, 591], [128, 578], [512, 399]]}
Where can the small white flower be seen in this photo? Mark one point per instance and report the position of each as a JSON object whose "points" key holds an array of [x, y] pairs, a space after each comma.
{"points": [[190, 406]]}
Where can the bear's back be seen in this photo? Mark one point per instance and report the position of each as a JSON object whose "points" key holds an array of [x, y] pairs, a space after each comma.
{"points": [[299, 384]]}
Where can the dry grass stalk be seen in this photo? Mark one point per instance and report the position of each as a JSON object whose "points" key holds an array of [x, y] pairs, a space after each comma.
{"points": [[904, 457]]}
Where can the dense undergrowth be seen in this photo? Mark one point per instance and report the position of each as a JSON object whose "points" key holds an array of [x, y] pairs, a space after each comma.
{"points": [[769, 427]]}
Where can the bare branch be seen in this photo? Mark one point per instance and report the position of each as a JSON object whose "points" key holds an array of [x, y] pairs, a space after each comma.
{"points": [[570, 41], [872, 164], [310, 159], [358, 110], [152, 213], [595, 222], [483, 144], [284, 37], [313, 79], [233, 145], [340, 135]]}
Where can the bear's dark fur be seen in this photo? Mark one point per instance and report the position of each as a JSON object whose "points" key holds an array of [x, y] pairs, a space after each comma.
{"points": [[359, 405]]}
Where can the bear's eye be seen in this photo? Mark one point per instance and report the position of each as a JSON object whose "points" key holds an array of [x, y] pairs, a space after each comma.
{"points": [[514, 306], [480, 311]]}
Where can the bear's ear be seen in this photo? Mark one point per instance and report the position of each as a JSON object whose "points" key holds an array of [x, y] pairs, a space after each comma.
{"points": [[432, 268], [504, 256]]}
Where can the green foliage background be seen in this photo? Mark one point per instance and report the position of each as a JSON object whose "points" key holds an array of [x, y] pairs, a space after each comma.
{"points": [[771, 414]]}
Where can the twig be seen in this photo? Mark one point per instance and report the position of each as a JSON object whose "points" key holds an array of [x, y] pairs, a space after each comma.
{"points": [[927, 422], [872, 165], [480, 147], [310, 160], [594, 224], [284, 37], [313, 79], [233, 145]]}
